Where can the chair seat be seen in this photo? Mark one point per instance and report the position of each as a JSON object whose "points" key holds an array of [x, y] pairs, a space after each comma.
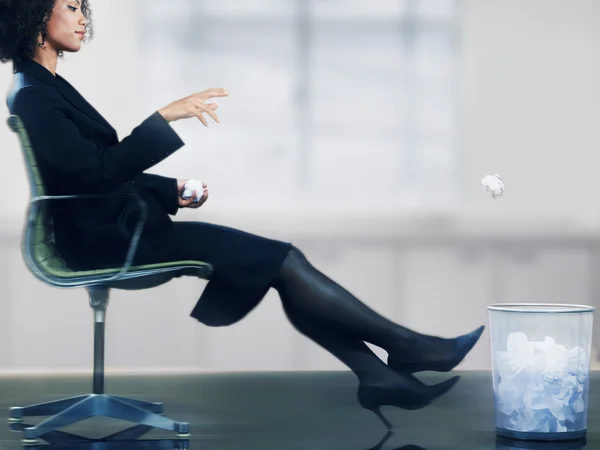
{"points": [[44, 260], [133, 271], [136, 277]]}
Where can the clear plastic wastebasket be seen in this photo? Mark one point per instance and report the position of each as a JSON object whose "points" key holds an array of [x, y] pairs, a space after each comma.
{"points": [[541, 367]]}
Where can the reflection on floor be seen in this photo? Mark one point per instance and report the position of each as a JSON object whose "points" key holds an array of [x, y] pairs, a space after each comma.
{"points": [[274, 411]]}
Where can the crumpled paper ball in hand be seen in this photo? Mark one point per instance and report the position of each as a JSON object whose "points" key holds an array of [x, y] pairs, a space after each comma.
{"points": [[189, 187], [494, 185]]}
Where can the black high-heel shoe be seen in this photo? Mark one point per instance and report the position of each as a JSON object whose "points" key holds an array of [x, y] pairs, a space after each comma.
{"points": [[401, 390], [444, 361]]}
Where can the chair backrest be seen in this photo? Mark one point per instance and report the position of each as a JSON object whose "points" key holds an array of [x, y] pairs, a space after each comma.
{"points": [[38, 247], [36, 184]]}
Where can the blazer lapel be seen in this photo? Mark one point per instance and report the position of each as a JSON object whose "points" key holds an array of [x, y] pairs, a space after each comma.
{"points": [[66, 90], [77, 100]]}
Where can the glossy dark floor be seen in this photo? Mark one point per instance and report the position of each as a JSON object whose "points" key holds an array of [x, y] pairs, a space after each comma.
{"points": [[293, 411]]}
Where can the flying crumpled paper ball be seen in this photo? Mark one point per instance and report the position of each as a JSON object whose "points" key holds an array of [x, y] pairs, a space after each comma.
{"points": [[494, 185]]}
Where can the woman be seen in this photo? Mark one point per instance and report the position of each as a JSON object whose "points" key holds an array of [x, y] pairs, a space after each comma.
{"points": [[78, 152]]}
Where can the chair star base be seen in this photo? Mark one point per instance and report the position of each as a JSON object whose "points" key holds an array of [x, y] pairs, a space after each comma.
{"points": [[128, 438], [68, 411]]}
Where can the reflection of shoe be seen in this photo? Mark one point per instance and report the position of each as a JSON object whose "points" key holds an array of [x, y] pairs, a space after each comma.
{"points": [[381, 443], [401, 390], [442, 356], [389, 434]]}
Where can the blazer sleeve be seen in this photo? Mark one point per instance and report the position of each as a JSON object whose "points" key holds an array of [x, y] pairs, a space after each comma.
{"points": [[164, 189], [57, 140]]}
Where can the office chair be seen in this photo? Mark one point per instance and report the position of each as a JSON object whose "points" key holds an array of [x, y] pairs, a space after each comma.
{"points": [[44, 261]]}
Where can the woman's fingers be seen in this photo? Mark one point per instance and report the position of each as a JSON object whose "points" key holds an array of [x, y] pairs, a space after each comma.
{"points": [[198, 113], [194, 105], [213, 92], [208, 110], [192, 202]]}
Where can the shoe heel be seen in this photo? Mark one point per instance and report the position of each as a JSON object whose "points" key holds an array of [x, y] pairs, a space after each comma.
{"points": [[369, 398], [378, 413]]}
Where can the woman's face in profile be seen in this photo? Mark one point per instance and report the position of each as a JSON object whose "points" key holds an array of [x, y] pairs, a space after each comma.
{"points": [[66, 26]]}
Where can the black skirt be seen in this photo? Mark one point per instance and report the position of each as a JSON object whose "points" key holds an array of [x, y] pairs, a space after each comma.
{"points": [[244, 265]]}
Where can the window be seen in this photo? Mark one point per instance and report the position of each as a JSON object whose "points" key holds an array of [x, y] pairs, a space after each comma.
{"points": [[336, 104]]}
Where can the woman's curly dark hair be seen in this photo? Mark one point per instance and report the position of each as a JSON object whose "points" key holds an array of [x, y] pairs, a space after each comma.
{"points": [[22, 21]]}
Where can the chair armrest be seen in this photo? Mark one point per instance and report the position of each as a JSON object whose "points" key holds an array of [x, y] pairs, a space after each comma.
{"points": [[133, 244]]}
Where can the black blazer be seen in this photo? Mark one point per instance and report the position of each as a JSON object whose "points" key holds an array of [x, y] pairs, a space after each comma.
{"points": [[79, 152]]}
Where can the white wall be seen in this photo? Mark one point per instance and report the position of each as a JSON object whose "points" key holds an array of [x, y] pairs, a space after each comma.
{"points": [[531, 107], [529, 104]]}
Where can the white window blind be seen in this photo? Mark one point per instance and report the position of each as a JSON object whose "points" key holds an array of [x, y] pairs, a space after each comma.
{"points": [[336, 104]]}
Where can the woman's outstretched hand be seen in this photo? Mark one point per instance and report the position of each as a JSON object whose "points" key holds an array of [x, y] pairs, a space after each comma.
{"points": [[191, 202], [194, 106]]}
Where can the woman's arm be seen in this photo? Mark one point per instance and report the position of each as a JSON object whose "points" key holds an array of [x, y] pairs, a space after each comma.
{"points": [[57, 140], [163, 189]]}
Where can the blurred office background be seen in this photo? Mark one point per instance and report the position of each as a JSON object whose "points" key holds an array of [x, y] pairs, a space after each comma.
{"points": [[360, 131]]}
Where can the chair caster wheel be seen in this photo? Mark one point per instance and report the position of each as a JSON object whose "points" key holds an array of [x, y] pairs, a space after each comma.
{"points": [[182, 428], [15, 414]]}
